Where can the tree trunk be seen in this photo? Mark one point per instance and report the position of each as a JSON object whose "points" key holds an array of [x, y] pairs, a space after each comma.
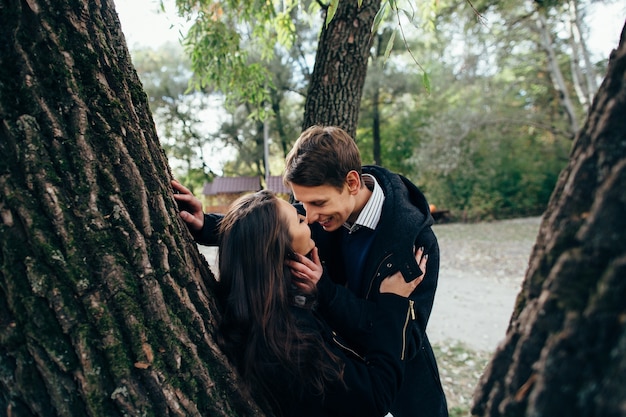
{"points": [[377, 156], [565, 350], [583, 71], [336, 86], [379, 62], [558, 80], [105, 303]]}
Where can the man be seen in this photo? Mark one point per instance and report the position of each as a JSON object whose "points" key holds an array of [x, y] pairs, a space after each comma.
{"points": [[367, 223]]}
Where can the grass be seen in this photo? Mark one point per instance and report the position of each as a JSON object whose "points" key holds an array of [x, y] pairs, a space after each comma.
{"points": [[460, 368]]}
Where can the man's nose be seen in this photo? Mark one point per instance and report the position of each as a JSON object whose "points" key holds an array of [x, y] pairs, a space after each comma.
{"points": [[311, 215]]}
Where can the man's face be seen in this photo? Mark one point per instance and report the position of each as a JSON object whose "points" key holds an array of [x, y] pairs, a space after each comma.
{"points": [[326, 205]]}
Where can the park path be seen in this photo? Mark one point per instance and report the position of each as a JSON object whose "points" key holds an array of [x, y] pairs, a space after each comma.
{"points": [[481, 272]]}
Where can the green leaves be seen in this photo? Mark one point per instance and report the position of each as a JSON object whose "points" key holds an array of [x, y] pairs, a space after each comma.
{"points": [[228, 42], [392, 6], [389, 46], [426, 81], [332, 8], [381, 15]]}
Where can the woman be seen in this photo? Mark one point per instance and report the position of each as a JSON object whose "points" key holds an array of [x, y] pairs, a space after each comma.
{"points": [[291, 362]]}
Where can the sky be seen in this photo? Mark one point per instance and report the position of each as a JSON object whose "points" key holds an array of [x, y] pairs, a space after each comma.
{"points": [[144, 25]]}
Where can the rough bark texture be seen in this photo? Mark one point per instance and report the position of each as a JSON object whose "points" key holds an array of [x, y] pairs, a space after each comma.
{"points": [[105, 303], [338, 77], [565, 350]]}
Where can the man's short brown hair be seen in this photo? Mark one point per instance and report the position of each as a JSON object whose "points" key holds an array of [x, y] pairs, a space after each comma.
{"points": [[322, 155]]}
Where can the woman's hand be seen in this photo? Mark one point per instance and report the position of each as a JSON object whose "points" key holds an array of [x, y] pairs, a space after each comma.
{"points": [[189, 206], [396, 284], [306, 272]]}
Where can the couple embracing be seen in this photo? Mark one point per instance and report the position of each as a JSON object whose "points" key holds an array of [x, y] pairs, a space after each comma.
{"points": [[325, 302]]}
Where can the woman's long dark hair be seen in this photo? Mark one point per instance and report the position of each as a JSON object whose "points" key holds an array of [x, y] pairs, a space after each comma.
{"points": [[259, 330]]}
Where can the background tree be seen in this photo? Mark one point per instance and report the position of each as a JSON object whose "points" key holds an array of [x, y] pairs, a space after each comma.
{"points": [[246, 134], [105, 304], [558, 31], [341, 61], [336, 83], [179, 112], [488, 142], [385, 84], [564, 350], [492, 137]]}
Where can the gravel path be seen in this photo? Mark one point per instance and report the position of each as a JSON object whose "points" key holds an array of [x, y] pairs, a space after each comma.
{"points": [[481, 271], [482, 268]]}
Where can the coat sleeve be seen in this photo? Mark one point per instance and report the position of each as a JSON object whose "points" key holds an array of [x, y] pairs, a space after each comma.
{"points": [[372, 382], [352, 316], [209, 235], [424, 294]]}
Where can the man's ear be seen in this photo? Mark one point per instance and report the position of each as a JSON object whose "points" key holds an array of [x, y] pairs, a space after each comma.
{"points": [[353, 181]]}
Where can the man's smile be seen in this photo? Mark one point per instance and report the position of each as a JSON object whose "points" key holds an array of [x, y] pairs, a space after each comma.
{"points": [[326, 222]]}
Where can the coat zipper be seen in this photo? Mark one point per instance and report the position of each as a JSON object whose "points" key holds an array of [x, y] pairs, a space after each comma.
{"points": [[346, 348], [410, 314], [367, 295]]}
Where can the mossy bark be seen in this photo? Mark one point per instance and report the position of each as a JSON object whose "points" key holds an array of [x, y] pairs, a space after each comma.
{"points": [[105, 303], [565, 350]]}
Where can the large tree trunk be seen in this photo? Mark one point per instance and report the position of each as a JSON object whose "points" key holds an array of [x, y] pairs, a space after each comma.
{"points": [[338, 77], [565, 350], [105, 303]]}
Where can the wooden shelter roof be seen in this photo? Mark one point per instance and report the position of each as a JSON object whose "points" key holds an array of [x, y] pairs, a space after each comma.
{"points": [[230, 185]]}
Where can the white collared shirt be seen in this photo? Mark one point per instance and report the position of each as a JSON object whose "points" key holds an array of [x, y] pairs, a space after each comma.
{"points": [[370, 215]]}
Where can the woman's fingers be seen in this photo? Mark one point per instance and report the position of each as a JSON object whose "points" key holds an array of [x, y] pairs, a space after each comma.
{"points": [[315, 257], [189, 206], [422, 259], [306, 269], [180, 188], [396, 284]]}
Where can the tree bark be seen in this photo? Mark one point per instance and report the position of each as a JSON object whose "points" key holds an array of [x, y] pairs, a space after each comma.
{"points": [[583, 71], [338, 77], [558, 80], [105, 303], [564, 351], [379, 62]]}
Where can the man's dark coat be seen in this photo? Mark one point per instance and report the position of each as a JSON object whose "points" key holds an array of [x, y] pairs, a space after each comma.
{"points": [[405, 224]]}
